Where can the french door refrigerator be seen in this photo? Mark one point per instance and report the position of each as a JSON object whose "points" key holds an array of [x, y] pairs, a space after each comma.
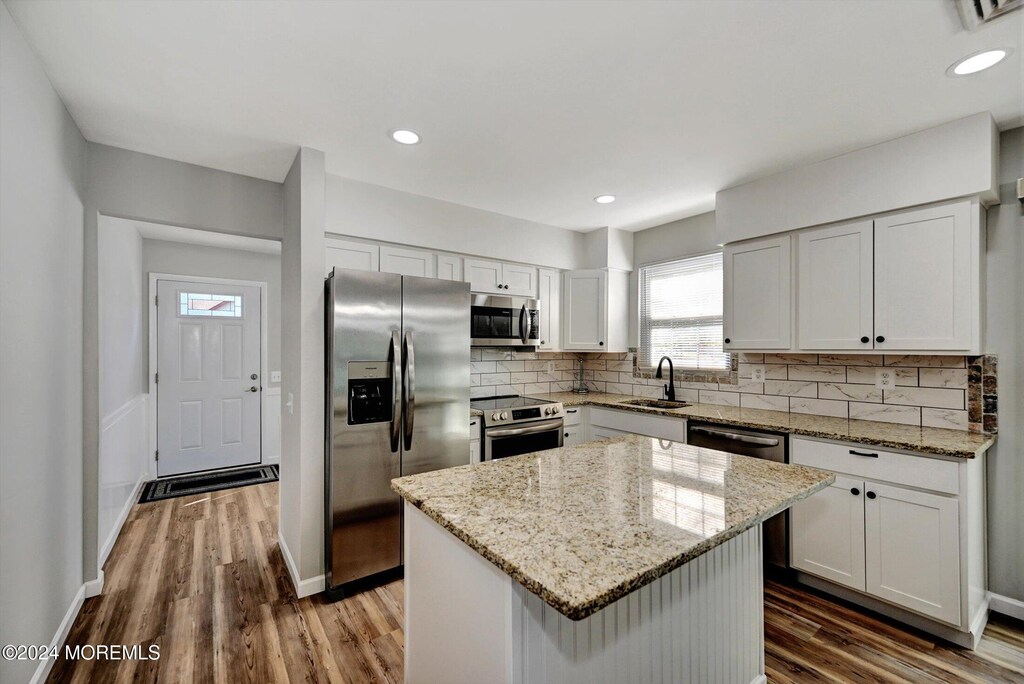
{"points": [[397, 404]]}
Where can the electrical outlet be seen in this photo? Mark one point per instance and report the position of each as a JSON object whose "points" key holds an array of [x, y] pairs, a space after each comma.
{"points": [[275, 376], [757, 373], [885, 378]]}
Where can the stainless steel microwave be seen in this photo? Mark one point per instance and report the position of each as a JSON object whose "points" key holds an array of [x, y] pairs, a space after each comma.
{"points": [[502, 321]]}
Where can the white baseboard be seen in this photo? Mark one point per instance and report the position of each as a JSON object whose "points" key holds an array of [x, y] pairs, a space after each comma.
{"points": [[306, 587], [1005, 605], [760, 679], [115, 531], [94, 587], [45, 665]]}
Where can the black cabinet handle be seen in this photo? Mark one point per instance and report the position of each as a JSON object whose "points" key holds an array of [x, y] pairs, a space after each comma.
{"points": [[542, 341], [728, 341], [880, 338], [865, 339], [863, 453], [855, 491], [871, 495], [566, 434], [601, 344], [571, 410]]}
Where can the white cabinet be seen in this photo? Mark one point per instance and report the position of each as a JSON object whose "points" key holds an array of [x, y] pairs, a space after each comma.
{"points": [[594, 310], [449, 267], [572, 435], [634, 423], [827, 533], [410, 262], [474, 440], [599, 433], [358, 256], [836, 287], [757, 303], [549, 293], [495, 277], [913, 550], [925, 279]]}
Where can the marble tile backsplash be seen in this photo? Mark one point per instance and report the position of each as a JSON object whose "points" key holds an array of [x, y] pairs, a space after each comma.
{"points": [[955, 392]]}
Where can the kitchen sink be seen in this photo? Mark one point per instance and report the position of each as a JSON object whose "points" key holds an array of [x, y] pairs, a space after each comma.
{"points": [[657, 403]]}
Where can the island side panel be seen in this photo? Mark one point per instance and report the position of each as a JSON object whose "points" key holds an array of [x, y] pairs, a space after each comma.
{"points": [[467, 621], [457, 609], [701, 623]]}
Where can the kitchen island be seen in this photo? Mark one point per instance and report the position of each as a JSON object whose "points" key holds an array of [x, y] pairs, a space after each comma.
{"points": [[628, 560]]}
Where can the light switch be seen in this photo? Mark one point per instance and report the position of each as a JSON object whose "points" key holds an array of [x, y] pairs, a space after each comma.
{"points": [[757, 373], [885, 378], [275, 376]]}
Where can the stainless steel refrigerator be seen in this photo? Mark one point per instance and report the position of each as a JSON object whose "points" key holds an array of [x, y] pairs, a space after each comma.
{"points": [[397, 404]]}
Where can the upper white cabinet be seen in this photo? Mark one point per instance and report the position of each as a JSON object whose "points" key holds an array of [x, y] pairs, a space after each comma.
{"points": [[495, 277], [449, 267], [925, 279], [410, 262], [836, 287], [757, 302], [358, 256], [594, 310], [549, 293]]}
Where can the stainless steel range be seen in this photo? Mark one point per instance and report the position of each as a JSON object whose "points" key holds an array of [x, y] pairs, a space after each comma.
{"points": [[516, 425]]}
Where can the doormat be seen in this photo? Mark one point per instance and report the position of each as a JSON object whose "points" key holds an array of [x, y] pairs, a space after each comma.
{"points": [[158, 490]]}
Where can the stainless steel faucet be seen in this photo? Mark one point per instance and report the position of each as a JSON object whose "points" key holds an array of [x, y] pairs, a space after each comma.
{"points": [[670, 388]]}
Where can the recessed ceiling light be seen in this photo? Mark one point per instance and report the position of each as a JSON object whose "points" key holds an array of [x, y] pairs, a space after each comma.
{"points": [[979, 61], [405, 136], [604, 199]]}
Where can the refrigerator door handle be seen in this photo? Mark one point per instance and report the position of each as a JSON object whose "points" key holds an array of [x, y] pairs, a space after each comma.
{"points": [[409, 393], [396, 392]]}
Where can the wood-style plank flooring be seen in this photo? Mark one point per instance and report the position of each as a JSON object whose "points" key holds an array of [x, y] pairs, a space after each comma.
{"points": [[202, 577]]}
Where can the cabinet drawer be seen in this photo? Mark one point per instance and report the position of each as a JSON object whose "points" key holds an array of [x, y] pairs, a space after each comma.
{"points": [[573, 415], [878, 464], [640, 424]]}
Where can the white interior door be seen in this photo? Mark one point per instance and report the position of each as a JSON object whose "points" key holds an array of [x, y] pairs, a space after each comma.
{"points": [[209, 384]]}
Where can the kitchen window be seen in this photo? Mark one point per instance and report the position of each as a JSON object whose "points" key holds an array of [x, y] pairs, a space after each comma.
{"points": [[681, 313]]}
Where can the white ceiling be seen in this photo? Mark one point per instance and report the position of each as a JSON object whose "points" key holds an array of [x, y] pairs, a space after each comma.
{"points": [[526, 109]]}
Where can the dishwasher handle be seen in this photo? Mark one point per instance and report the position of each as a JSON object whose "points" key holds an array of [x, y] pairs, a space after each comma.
{"points": [[737, 437]]}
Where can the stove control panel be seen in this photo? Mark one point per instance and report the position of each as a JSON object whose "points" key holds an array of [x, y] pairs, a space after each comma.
{"points": [[521, 415]]}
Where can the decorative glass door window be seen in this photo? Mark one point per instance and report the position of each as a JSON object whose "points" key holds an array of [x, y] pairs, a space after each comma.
{"points": [[201, 304]]}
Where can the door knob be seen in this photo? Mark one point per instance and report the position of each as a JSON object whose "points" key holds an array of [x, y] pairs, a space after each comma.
{"points": [[252, 389]]}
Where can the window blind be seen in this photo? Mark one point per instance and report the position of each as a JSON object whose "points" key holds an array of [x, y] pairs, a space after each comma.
{"points": [[681, 313]]}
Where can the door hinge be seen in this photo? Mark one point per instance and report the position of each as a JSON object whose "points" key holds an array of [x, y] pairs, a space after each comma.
{"points": [[156, 300], [156, 378], [158, 454]]}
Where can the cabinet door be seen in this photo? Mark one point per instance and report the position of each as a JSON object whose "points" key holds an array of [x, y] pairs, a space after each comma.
{"points": [[484, 276], [572, 435], [410, 262], [474, 451], [827, 533], [923, 279], [836, 286], [913, 550], [357, 256], [757, 304], [584, 310], [598, 433], [549, 292], [520, 281], [449, 267]]}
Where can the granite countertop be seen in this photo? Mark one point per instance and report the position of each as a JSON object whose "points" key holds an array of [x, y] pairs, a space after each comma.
{"points": [[583, 526], [925, 440]]}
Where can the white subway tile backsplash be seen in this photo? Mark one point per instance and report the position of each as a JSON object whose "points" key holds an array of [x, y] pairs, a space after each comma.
{"points": [[495, 378], [764, 401], [818, 373], [791, 358], [925, 361], [791, 389], [721, 398], [885, 413], [954, 378], [511, 366], [746, 386], [619, 388], [849, 360], [848, 392], [524, 377], [818, 407], [866, 376], [944, 418], [483, 367], [926, 396]]}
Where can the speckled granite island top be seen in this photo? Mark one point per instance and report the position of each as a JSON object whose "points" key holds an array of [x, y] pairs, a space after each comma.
{"points": [[583, 526], [923, 440]]}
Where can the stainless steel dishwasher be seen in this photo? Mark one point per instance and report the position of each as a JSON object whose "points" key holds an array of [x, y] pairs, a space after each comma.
{"points": [[771, 446]]}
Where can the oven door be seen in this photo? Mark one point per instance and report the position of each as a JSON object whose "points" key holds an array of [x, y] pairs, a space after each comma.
{"points": [[504, 441]]}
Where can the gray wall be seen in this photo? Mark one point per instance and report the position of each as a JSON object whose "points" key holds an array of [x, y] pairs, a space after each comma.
{"points": [[122, 294], [131, 185], [1004, 330], [179, 258], [42, 182]]}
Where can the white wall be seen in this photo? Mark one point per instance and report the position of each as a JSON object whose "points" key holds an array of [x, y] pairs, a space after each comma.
{"points": [[1004, 333], [377, 213], [42, 172]]}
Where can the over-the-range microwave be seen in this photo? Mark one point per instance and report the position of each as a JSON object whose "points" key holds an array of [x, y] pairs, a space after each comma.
{"points": [[502, 321]]}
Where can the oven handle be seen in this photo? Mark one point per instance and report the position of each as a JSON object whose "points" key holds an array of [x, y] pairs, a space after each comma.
{"points": [[528, 430]]}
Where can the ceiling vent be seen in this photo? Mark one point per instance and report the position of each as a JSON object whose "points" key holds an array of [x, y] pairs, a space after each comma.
{"points": [[974, 13]]}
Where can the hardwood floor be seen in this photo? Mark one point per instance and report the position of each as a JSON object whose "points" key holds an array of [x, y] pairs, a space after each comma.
{"points": [[202, 577]]}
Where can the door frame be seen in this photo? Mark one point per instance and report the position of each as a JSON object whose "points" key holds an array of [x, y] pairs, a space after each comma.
{"points": [[264, 363]]}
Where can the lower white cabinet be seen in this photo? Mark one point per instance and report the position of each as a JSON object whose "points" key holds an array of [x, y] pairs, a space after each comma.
{"points": [[572, 435], [598, 433], [877, 531], [913, 550], [828, 533], [474, 440]]}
